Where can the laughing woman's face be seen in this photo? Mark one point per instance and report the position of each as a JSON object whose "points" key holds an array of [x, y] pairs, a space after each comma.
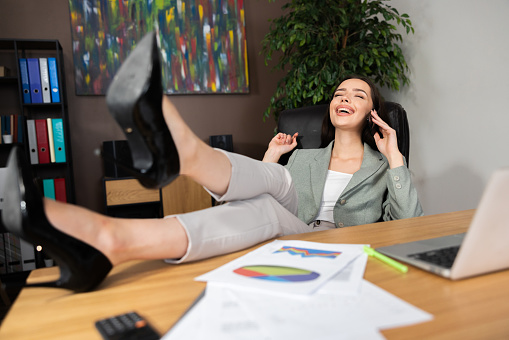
{"points": [[351, 105]]}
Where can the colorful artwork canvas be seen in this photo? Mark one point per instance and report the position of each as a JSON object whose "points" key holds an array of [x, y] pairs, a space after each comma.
{"points": [[203, 43]]}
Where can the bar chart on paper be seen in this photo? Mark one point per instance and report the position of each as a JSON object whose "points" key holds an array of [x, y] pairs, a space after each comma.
{"points": [[277, 273], [306, 252]]}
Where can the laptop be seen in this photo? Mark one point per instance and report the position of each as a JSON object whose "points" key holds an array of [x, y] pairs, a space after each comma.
{"points": [[484, 248]]}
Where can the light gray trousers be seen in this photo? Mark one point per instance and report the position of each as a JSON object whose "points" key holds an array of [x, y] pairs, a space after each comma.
{"points": [[262, 204]]}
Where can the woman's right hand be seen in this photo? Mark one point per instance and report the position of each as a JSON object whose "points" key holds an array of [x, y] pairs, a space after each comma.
{"points": [[279, 145]]}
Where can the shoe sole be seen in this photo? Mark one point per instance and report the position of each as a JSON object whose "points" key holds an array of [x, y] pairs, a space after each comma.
{"points": [[128, 86], [13, 202]]}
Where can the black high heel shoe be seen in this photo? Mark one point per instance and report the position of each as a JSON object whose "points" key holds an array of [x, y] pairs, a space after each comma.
{"points": [[82, 267], [134, 99]]}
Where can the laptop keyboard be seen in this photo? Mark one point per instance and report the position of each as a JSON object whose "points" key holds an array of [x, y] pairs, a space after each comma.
{"points": [[441, 257]]}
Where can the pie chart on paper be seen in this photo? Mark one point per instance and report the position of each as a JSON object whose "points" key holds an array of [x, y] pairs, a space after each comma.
{"points": [[277, 273]]}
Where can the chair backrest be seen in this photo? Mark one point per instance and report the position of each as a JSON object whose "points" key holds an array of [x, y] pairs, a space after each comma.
{"points": [[307, 121]]}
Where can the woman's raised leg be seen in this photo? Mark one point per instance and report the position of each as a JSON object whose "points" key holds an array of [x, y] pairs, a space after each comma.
{"points": [[215, 170], [207, 166], [120, 239]]}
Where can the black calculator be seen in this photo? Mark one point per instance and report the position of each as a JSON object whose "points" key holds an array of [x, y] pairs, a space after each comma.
{"points": [[128, 326]]}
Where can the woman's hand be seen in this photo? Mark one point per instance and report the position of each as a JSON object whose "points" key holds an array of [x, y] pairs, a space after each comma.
{"points": [[387, 144], [279, 145]]}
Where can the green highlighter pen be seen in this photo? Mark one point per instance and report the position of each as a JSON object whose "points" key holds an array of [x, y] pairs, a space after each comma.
{"points": [[372, 252]]}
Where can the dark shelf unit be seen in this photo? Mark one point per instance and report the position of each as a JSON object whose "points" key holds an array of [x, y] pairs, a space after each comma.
{"points": [[11, 89]]}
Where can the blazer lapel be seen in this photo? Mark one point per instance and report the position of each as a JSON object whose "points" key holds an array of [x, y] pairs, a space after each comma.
{"points": [[371, 161], [319, 173]]}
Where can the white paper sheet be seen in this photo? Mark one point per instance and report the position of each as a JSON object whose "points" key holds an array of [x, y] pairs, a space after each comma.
{"points": [[303, 316], [386, 310], [231, 313], [217, 316], [349, 280], [270, 267], [345, 307]]}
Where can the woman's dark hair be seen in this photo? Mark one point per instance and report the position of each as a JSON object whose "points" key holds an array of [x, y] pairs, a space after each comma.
{"points": [[329, 131]]}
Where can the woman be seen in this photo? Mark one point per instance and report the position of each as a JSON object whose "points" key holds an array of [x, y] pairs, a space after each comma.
{"points": [[367, 180], [265, 199]]}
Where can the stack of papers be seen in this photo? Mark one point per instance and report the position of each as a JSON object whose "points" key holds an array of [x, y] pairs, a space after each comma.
{"points": [[297, 290]]}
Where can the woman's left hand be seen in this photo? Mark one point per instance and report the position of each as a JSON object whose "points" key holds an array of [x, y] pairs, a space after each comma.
{"points": [[387, 144]]}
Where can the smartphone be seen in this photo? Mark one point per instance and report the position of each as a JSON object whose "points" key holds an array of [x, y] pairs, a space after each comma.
{"points": [[373, 128]]}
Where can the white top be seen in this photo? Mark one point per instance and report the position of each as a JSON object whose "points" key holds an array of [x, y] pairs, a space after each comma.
{"points": [[335, 183]]}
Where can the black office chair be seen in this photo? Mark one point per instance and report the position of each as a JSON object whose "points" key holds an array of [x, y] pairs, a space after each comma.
{"points": [[307, 121]]}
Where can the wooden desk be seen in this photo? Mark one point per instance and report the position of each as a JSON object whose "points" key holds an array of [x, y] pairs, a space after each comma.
{"points": [[476, 308]]}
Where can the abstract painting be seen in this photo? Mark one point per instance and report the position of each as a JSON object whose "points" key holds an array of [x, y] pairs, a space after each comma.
{"points": [[202, 42]]}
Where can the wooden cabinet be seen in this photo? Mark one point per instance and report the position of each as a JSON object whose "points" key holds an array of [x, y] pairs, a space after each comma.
{"points": [[184, 195], [128, 191], [125, 197]]}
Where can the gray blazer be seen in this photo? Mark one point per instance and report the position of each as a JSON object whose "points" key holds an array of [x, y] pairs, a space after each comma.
{"points": [[374, 193]]}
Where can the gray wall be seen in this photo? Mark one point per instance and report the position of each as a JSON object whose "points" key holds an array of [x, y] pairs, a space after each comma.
{"points": [[457, 100]]}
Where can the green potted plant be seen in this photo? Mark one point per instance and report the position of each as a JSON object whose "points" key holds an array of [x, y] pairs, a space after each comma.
{"points": [[319, 42]]}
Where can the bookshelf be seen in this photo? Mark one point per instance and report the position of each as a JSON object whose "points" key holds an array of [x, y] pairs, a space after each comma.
{"points": [[19, 118]]}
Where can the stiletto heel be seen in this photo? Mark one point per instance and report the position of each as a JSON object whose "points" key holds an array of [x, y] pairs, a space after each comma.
{"points": [[134, 99], [82, 267]]}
